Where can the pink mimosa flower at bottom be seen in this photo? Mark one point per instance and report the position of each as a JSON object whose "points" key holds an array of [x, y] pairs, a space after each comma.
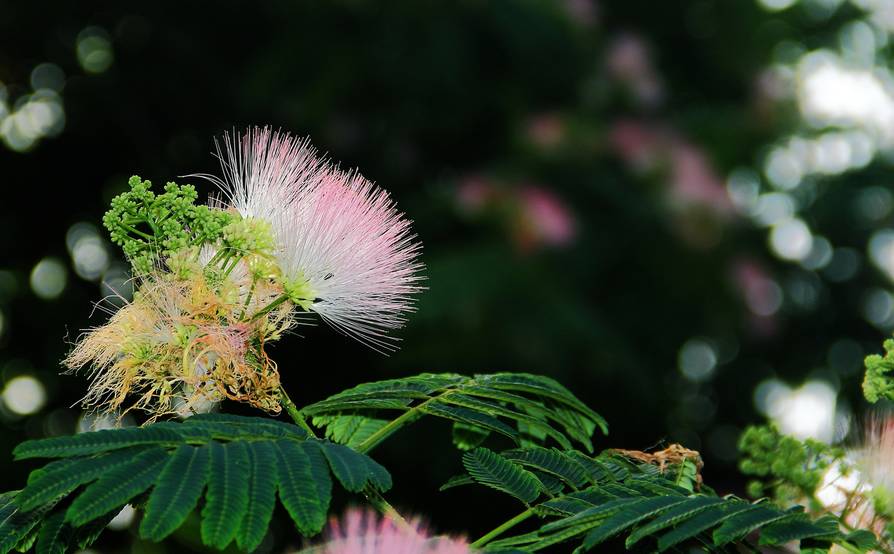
{"points": [[365, 532]]}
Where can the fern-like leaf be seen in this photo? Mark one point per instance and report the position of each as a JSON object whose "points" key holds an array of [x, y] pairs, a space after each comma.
{"points": [[53, 482], [352, 470], [492, 470], [228, 489], [262, 481], [98, 441], [350, 430], [684, 510], [243, 461], [179, 487], [52, 537], [117, 487], [632, 514], [467, 437], [644, 501], [304, 485], [698, 524], [519, 406], [554, 462], [736, 527]]}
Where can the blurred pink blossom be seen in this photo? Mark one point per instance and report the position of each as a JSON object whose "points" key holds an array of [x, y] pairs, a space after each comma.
{"points": [[691, 179], [474, 193], [546, 219], [694, 179], [583, 12], [639, 145], [365, 532], [761, 294], [546, 130], [628, 60], [533, 215]]}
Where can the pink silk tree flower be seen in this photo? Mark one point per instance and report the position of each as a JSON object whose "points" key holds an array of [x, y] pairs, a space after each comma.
{"points": [[343, 249], [364, 532]]}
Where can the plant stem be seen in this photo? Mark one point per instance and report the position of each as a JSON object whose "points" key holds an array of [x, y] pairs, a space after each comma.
{"points": [[294, 412], [271, 306], [503, 528], [379, 503], [407, 417], [251, 293]]}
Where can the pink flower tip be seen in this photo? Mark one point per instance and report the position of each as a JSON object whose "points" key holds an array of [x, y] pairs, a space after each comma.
{"points": [[365, 532]]}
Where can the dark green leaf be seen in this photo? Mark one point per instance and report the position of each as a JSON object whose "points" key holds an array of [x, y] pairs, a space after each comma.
{"points": [[350, 430], [470, 417], [177, 492], [492, 470], [304, 484], [553, 462], [261, 495], [52, 482], [632, 514], [684, 510], [457, 481], [99, 441], [700, 523], [348, 466], [52, 537], [227, 497], [117, 487], [467, 437], [796, 527], [736, 527]]}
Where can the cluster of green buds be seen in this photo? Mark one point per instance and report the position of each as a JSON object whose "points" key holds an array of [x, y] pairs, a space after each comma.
{"points": [[789, 469], [877, 382], [150, 227]]}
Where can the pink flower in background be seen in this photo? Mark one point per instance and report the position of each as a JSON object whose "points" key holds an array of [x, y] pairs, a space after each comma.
{"points": [[546, 219], [695, 181], [342, 247], [546, 130], [689, 175], [582, 12], [640, 145], [364, 532], [761, 294], [533, 215], [628, 60], [474, 193]]}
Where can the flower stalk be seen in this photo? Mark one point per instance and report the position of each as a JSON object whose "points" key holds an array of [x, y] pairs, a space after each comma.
{"points": [[499, 530], [294, 412]]}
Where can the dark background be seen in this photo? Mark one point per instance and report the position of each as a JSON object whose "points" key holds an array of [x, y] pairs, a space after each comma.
{"points": [[617, 122]]}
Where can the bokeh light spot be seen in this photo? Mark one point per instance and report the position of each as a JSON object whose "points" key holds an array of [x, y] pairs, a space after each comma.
{"points": [[48, 76], [89, 253], [48, 278], [878, 308], [24, 395], [805, 412], [791, 240], [697, 360], [94, 50]]}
